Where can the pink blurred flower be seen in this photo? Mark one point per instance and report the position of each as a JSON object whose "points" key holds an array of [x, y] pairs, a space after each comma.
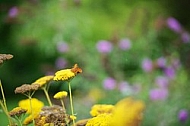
{"points": [[125, 44], [104, 46], [158, 94], [161, 62], [109, 83], [169, 72], [183, 115], [147, 65], [60, 63], [174, 25], [162, 81], [13, 12], [62, 47], [185, 37]]}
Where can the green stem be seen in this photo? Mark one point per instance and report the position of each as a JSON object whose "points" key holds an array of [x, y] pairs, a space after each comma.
{"points": [[6, 112], [30, 99], [62, 103], [47, 96], [71, 102], [4, 103]]}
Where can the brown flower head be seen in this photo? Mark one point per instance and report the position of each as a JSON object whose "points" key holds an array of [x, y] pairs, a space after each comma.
{"points": [[17, 112], [76, 69], [27, 88], [4, 57]]}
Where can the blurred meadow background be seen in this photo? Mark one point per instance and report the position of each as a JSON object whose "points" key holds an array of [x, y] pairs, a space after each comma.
{"points": [[125, 48]]}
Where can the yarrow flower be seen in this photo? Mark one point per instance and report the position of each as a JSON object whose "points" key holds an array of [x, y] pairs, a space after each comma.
{"points": [[67, 74], [17, 112], [109, 83], [4, 57], [60, 95], [104, 46], [43, 80], [125, 44], [101, 109], [25, 88]]}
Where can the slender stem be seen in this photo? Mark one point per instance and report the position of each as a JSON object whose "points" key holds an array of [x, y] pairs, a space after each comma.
{"points": [[62, 103], [4, 103], [71, 102], [18, 120], [30, 99], [6, 112], [47, 96]]}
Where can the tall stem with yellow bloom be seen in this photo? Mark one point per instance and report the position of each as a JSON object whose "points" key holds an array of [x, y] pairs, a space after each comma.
{"points": [[71, 102], [3, 104]]}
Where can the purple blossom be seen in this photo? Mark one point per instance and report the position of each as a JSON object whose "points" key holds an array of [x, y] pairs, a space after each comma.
{"points": [[62, 47], [158, 94], [125, 44], [169, 72], [104, 46], [109, 83], [13, 12], [147, 65], [162, 81], [185, 37], [176, 63], [60, 63], [161, 62], [125, 88], [183, 115], [174, 25]]}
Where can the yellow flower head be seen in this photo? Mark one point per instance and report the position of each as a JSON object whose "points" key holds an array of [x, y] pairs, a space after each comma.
{"points": [[127, 112], [67, 74], [72, 117], [100, 120], [60, 95], [43, 80], [100, 109], [36, 105], [17, 111]]}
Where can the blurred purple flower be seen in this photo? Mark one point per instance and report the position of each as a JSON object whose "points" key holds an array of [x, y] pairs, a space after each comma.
{"points": [[169, 72], [125, 44], [158, 94], [183, 115], [13, 12], [174, 25], [147, 65], [104, 46], [176, 63], [125, 88], [109, 83], [60, 63], [162, 81], [161, 62], [185, 37], [62, 47]]}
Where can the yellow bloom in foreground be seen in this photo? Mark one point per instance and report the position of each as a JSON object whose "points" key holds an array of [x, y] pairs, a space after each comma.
{"points": [[29, 119], [36, 105], [60, 95], [100, 120], [127, 112], [100, 109], [67, 74], [43, 80], [17, 111]]}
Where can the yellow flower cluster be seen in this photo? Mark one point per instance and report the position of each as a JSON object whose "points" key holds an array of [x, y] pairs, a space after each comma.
{"points": [[60, 95], [100, 109], [17, 111], [36, 108], [67, 74], [127, 112], [43, 80]]}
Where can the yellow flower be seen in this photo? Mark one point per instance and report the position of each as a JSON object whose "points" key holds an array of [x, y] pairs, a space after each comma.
{"points": [[43, 80], [100, 109], [36, 105], [73, 117], [127, 112], [17, 111], [29, 119], [67, 74], [60, 95], [100, 120]]}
